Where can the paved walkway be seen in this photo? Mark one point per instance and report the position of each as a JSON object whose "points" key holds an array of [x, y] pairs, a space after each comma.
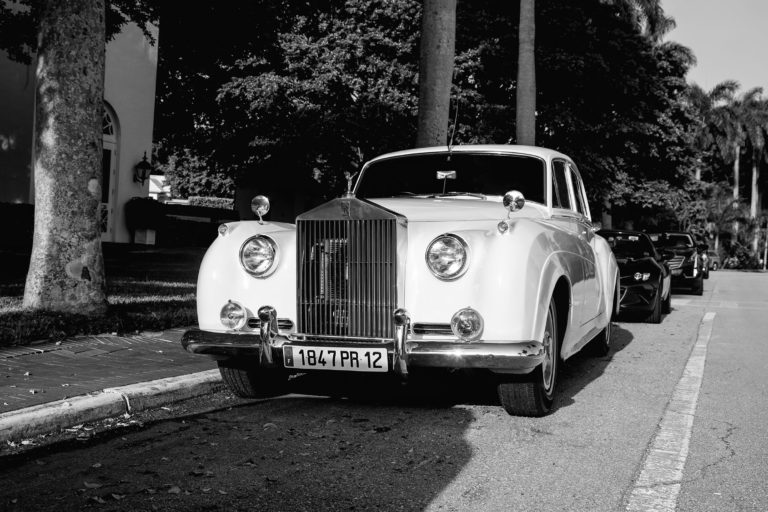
{"points": [[41, 374]]}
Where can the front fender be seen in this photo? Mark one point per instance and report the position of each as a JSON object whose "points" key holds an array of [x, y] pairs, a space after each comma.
{"points": [[222, 277], [510, 279]]}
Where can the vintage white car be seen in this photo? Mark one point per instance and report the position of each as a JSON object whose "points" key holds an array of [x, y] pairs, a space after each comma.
{"points": [[480, 257]]}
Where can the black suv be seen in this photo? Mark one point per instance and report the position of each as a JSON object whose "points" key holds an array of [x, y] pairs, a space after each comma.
{"points": [[681, 253]]}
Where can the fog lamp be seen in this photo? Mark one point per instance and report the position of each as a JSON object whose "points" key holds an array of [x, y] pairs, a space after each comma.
{"points": [[467, 324], [232, 315]]}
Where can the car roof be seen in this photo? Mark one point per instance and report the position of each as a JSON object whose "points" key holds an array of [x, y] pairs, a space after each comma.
{"points": [[511, 149]]}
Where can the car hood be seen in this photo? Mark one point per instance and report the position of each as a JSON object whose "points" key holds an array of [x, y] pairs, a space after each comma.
{"points": [[420, 209], [628, 266]]}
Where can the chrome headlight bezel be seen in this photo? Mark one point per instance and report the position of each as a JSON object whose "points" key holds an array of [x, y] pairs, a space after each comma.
{"points": [[459, 245], [272, 251]]}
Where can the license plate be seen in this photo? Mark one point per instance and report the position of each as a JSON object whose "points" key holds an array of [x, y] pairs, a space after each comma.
{"points": [[677, 272], [349, 359]]}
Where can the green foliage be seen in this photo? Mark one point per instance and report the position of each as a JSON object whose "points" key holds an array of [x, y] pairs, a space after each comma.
{"points": [[212, 202], [19, 21], [190, 174]]}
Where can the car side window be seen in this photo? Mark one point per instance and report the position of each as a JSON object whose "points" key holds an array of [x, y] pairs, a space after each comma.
{"points": [[560, 196], [578, 192]]}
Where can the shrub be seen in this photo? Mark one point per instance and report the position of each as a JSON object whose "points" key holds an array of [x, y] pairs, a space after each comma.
{"points": [[212, 202], [144, 213]]}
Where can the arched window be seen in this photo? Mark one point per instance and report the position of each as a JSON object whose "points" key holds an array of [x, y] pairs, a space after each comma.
{"points": [[110, 132]]}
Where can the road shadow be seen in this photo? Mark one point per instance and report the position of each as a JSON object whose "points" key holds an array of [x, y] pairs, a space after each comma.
{"points": [[582, 369], [283, 454]]}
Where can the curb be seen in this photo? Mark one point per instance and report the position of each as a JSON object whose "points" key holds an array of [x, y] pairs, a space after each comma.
{"points": [[108, 403]]}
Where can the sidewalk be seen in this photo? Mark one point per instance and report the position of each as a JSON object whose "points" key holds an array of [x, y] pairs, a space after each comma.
{"points": [[49, 386]]}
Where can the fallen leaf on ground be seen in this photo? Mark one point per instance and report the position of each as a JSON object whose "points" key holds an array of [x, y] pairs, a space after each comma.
{"points": [[91, 485], [174, 490]]}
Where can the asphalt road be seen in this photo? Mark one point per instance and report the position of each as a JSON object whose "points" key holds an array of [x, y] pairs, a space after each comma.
{"points": [[445, 445]]}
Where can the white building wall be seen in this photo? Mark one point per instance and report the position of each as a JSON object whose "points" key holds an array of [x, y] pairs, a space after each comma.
{"points": [[129, 87]]}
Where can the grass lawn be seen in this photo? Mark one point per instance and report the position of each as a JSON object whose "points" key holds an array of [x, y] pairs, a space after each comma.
{"points": [[148, 288]]}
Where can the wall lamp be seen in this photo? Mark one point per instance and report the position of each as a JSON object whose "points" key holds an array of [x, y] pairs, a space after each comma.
{"points": [[142, 170]]}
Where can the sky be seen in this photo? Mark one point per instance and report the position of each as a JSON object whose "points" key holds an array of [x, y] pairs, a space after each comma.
{"points": [[729, 39]]}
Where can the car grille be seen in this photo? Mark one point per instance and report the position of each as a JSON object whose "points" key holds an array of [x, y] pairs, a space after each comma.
{"points": [[676, 262], [347, 284]]}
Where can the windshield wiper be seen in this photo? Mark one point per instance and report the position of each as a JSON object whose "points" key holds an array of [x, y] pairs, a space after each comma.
{"points": [[456, 193]]}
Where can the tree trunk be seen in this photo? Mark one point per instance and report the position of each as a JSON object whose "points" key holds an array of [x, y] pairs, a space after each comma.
{"points": [[756, 158], [736, 188], [606, 217], [736, 174], [66, 270], [438, 39], [526, 75]]}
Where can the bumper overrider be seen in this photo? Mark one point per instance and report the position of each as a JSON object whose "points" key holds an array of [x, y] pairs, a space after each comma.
{"points": [[268, 347]]}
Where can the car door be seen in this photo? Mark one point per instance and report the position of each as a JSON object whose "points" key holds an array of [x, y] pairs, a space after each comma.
{"points": [[586, 239], [569, 240]]}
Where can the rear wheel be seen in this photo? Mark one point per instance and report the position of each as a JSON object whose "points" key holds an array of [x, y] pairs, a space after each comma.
{"points": [[249, 381], [601, 344], [698, 285], [533, 394]]}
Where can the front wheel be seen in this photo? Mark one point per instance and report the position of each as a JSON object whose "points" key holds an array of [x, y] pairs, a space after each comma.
{"points": [[534, 394], [249, 381], [655, 316], [666, 306]]}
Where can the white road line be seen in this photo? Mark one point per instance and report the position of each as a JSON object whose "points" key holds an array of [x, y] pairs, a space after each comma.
{"points": [[658, 485]]}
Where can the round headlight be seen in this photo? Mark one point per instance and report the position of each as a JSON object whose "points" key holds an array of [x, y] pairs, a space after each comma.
{"points": [[447, 257], [232, 315], [258, 255], [467, 324]]}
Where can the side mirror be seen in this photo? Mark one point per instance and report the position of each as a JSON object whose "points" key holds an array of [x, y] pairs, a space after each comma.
{"points": [[514, 201], [260, 206]]}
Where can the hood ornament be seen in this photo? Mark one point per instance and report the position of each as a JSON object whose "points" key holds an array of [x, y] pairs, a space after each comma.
{"points": [[350, 179]]}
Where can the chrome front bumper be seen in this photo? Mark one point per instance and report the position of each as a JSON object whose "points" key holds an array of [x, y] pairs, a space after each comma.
{"points": [[267, 347]]}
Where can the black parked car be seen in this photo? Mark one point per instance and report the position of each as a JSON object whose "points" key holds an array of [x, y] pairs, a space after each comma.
{"points": [[645, 283], [682, 255]]}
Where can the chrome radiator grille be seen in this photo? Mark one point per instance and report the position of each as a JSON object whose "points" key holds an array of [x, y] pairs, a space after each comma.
{"points": [[347, 284]]}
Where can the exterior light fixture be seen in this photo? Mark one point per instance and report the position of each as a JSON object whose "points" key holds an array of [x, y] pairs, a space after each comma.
{"points": [[142, 170]]}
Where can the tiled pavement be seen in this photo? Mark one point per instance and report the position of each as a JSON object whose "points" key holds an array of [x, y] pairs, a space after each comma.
{"points": [[46, 372]]}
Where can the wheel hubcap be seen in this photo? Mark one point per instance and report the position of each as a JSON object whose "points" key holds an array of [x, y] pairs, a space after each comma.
{"points": [[548, 365]]}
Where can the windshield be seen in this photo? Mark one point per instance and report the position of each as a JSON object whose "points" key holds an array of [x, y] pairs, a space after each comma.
{"points": [[630, 246], [677, 241], [438, 175]]}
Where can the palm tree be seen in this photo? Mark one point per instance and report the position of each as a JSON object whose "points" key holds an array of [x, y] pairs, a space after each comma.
{"points": [[729, 124], [708, 105], [438, 40], [525, 112], [646, 14], [755, 119]]}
